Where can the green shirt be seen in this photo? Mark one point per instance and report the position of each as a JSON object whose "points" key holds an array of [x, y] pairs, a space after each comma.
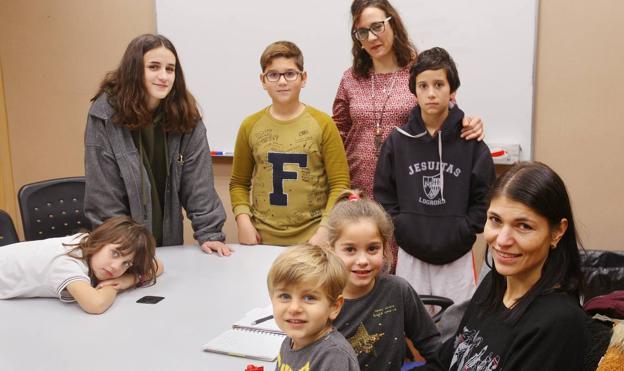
{"points": [[151, 142]]}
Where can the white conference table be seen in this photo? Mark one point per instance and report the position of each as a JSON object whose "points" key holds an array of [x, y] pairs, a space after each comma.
{"points": [[204, 294]]}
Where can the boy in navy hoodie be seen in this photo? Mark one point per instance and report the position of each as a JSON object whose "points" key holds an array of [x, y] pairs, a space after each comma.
{"points": [[435, 185]]}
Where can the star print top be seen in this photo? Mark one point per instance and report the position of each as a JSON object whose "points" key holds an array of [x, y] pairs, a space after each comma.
{"points": [[377, 323]]}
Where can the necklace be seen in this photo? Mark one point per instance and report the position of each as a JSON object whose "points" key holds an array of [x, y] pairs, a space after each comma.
{"points": [[378, 121]]}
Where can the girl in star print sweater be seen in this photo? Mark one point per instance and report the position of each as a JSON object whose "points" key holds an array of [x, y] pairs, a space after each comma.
{"points": [[380, 311]]}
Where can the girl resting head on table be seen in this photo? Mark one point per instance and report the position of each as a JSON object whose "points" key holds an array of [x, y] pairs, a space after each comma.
{"points": [[89, 268]]}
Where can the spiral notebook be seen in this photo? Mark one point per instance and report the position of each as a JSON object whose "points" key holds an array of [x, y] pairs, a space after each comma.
{"points": [[260, 341]]}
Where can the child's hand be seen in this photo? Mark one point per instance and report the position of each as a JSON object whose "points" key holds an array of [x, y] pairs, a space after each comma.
{"points": [[472, 128], [321, 237], [247, 233], [218, 246], [124, 282]]}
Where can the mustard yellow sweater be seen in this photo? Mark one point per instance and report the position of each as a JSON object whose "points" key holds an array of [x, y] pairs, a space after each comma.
{"points": [[295, 170]]}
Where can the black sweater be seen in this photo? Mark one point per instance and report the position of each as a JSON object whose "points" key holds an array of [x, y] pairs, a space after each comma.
{"points": [[438, 201], [551, 335]]}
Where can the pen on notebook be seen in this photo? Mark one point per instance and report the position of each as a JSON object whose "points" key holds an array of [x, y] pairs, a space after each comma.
{"points": [[260, 320]]}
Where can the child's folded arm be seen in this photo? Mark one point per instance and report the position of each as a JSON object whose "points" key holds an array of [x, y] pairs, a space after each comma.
{"points": [[132, 280], [125, 282], [92, 300], [159, 268]]}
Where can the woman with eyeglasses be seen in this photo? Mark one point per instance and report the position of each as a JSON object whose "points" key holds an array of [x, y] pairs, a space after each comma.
{"points": [[374, 96], [146, 152]]}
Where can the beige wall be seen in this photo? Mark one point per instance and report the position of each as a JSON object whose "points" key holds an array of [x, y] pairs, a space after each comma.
{"points": [[54, 53], [222, 168], [579, 111], [7, 188]]}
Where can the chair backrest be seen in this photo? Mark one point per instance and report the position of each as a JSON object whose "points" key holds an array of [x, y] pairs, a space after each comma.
{"points": [[603, 271], [53, 208], [8, 235]]}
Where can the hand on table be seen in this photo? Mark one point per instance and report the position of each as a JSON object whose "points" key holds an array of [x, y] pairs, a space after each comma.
{"points": [[218, 246], [124, 282]]}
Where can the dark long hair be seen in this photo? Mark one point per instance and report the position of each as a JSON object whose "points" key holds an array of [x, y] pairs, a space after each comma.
{"points": [[404, 50], [126, 92], [539, 188]]}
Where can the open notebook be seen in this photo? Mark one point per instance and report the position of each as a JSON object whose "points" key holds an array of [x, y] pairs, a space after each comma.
{"points": [[244, 339]]}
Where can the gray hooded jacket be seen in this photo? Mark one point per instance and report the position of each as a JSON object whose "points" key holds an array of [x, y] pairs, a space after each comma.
{"points": [[114, 185]]}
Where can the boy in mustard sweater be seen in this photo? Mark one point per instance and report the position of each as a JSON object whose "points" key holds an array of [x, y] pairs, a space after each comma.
{"points": [[290, 156]]}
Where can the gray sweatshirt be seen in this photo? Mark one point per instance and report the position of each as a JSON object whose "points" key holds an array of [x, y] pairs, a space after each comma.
{"points": [[114, 185], [332, 352]]}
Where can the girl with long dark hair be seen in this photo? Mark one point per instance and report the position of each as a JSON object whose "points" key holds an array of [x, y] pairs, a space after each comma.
{"points": [[146, 151]]}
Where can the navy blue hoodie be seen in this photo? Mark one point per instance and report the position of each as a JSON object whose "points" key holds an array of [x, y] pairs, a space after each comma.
{"points": [[434, 189]]}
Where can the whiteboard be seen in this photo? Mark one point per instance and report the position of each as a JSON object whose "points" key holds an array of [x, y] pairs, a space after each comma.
{"points": [[219, 46]]}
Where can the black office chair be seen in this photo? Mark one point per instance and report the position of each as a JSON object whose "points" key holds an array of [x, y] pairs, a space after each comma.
{"points": [[8, 235], [437, 301], [603, 271], [53, 208], [411, 353]]}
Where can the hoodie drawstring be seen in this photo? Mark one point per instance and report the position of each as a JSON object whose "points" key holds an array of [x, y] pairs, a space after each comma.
{"points": [[410, 135], [440, 164]]}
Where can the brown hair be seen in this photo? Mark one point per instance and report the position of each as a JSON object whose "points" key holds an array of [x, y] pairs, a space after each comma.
{"points": [[435, 59], [404, 50], [351, 207], [126, 92], [309, 264], [131, 238], [283, 49]]}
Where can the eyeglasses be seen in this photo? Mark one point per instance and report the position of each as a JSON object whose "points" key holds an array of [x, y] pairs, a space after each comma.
{"points": [[361, 34], [290, 75]]}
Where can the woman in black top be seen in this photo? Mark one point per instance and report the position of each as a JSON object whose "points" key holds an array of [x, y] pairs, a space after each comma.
{"points": [[526, 314]]}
